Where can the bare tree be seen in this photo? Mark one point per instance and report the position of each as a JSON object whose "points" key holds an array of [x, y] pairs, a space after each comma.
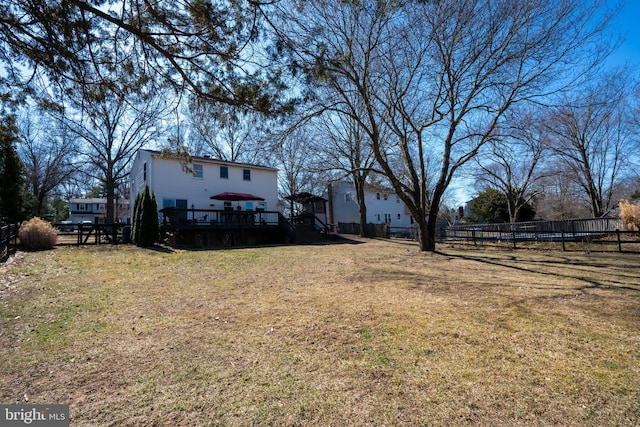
{"points": [[559, 197], [343, 148], [116, 111], [291, 152], [591, 139], [440, 75], [112, 128], [47, 153], [228, 133], [510, 162]]}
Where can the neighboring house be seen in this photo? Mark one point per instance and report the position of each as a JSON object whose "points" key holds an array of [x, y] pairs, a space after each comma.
{"points": [[94, 210], [383, 206], [191, 186]]}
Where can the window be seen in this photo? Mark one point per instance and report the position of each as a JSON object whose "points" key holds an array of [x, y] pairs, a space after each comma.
{"points": [[377, 196], [246, 174], [198, 172], [398, 216], [347, 197], [378, 217], [384, 197], [224, 172], [174, 203], [387, 218]]}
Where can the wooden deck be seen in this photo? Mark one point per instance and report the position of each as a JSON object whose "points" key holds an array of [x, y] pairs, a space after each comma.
{"points": [[209, 227]]}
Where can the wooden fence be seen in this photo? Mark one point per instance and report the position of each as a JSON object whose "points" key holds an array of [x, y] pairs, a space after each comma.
{"points": [[590, 225], [93, 234], [372, 230], [8, 241]]}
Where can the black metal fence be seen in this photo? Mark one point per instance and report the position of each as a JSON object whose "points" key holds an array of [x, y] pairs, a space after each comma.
{"points": [[386, 231], [580, 234], [8, 241]]}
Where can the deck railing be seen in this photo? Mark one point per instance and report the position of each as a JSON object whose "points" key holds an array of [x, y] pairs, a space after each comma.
{"points": [[177, 218]]}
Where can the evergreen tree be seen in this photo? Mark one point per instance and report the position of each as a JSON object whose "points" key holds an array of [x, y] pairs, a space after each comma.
{"points": [[135, 226], [491, 206], [14, 199], [146, 227]]}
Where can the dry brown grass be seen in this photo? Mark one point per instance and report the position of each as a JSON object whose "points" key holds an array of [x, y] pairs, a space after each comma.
{"points": [[368, 334], [630, 214]]}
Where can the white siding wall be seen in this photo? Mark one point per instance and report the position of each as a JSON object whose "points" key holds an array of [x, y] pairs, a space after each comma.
{"points": [[345, 209], [168, 181]]}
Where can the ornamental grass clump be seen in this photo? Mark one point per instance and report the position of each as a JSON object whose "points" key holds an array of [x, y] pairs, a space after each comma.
{"points": [[630, 214], [37, 235]]}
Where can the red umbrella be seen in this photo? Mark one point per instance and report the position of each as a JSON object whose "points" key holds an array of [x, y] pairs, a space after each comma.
{"points": [[230, 196]]}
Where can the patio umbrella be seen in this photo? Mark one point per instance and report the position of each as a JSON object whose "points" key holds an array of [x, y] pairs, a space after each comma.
{"points": [[235, 197]]}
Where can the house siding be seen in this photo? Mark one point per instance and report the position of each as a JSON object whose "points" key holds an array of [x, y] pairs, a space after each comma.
{"points": [[345, 208], [95, 210], [167, 180]]}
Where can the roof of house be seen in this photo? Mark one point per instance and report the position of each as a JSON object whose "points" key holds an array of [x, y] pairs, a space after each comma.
{"points": [[370, 187], [209, 159], [95, 200]]}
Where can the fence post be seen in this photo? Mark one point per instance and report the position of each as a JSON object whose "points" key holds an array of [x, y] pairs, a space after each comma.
{"points": [[619, 242], [513, 232], [562, 237], [16, 228]]}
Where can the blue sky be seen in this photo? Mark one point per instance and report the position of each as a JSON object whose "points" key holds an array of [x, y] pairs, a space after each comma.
{"points": [[628, 25]]}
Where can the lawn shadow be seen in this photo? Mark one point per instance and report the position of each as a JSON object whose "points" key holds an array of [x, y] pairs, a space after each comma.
{"points": [[332, 240], [615, 282], [160, 248]]}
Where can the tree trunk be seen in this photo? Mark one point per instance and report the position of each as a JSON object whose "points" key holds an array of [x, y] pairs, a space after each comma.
{"points": [[359, 182], [426, 244], [111, 197]]}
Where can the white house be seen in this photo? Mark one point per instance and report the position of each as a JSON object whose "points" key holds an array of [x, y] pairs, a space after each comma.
{"points": [[95, 210], [191, 186], [383, 205]]}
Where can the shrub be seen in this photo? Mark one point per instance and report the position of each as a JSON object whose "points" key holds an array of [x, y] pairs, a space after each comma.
{"points": [[135, 226], [630, 214], [37, 235], [146, 229]]}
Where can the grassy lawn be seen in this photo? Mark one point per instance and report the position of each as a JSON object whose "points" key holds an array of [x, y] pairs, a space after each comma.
{"points": [[371, 334]]}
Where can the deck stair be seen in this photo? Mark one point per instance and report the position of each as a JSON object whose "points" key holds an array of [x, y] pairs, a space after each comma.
{"points": [[310, 229]]}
